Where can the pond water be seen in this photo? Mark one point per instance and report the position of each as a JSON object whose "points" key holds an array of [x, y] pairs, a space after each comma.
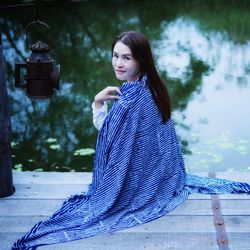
{"points": [[201, 48]]}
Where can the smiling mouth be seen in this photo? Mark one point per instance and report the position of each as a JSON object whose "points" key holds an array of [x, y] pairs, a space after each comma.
{"points": [[120, 71]]}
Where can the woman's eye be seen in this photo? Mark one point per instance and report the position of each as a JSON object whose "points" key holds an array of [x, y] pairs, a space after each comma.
{"points": [[126, 58], [115, 56]]}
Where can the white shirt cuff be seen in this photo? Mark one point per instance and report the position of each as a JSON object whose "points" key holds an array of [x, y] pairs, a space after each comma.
{"points": [[99, 115], [104, 108]]}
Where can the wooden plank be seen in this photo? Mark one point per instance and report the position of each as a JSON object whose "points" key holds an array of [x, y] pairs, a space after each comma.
{"points": [[235, 207], [21, 224], [239, 241], [155, 241], [7, 240], [47, 191], [51, 177], [178, 224], [203, 207], [43, 178], [131, 241], [234, 176], [86, 177], [62, 191], [32, 207], [29, 207], [237, 224], [189, 207], [222, 197]]}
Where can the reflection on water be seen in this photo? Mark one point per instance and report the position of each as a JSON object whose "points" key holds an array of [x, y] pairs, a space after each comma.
{"points": [[202, 56], [218, 116]]}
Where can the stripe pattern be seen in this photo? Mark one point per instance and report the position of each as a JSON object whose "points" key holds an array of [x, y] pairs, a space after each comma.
{"points": [[139, 175]]}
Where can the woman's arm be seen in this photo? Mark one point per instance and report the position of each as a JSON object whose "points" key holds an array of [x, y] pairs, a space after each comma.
{"points": [[100, 107]]}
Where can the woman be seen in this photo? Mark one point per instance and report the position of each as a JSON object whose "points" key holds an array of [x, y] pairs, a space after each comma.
{"points": [[139, 173]]}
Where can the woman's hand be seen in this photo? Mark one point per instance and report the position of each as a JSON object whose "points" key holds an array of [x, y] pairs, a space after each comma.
{"points": [[109, 93]]}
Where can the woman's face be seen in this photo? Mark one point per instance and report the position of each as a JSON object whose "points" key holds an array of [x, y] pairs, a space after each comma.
{"points": [[124, 64]]}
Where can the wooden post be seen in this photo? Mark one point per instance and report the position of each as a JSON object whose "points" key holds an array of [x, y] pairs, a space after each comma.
{"points": [[6, 180]]}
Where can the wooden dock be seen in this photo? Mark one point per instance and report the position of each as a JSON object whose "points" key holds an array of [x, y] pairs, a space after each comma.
{"points": [[189, 227]]}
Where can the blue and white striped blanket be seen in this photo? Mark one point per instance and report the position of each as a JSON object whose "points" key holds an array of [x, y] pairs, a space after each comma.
{"points": [[139, 175]]}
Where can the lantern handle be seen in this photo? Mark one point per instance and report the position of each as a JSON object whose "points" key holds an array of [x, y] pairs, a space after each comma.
{"points": [[37, 22]]}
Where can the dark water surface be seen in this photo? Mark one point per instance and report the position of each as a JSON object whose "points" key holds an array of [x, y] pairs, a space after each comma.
{"points": [[202, 50]]}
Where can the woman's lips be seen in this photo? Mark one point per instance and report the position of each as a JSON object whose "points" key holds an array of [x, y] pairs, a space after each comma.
{"points": [[120, 71]]}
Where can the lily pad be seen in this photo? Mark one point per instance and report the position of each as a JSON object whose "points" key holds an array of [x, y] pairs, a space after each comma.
{"points": [[84, 151], [18, 167], [55, 146], [51, 140], [14, 144], [226, 144], [38, 170], [217, 158]]}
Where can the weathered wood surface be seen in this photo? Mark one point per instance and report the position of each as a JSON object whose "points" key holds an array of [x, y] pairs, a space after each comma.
{"points": [[190, 226]]}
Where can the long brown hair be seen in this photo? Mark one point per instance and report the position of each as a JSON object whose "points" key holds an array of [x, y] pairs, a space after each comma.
{"points": [[141, 51]]}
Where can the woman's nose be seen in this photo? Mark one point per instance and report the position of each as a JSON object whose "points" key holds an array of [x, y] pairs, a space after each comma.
{"points": [[119, 62]]}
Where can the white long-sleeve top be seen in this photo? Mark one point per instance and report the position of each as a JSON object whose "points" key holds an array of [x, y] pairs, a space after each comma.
{"points": [[99, 115]]}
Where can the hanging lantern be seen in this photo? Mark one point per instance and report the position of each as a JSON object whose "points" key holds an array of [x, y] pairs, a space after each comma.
{"points": [[42, 76]]}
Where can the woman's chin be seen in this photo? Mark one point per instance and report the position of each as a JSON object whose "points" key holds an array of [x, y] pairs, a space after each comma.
{"points": [[120, 78]]}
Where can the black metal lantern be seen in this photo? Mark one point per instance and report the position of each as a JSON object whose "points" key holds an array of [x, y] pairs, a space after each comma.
{"points": [[42, 76]]}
